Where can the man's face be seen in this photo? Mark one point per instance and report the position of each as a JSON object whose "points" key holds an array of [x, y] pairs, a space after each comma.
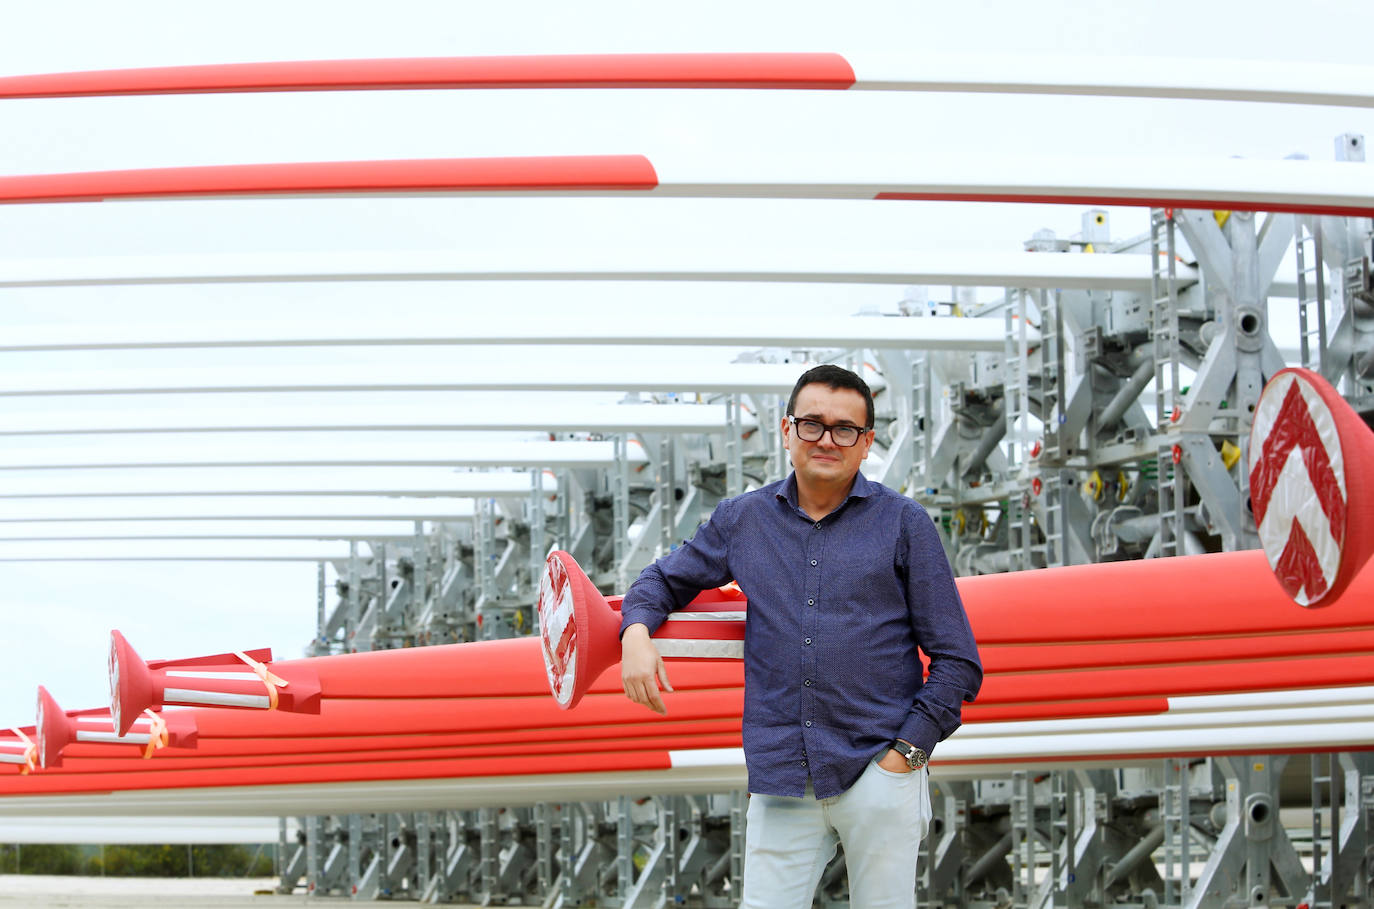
{"points": [[824, 461]]}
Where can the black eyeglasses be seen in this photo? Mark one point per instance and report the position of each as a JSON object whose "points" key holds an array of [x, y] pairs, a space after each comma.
{"points": [[845, 436]]}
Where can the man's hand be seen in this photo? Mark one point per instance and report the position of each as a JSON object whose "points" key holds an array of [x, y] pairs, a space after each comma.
{"points": [[894, 761], [642, 669]]}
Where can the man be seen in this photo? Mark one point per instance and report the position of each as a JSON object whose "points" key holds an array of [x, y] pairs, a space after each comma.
{"points": [[845, 579]]}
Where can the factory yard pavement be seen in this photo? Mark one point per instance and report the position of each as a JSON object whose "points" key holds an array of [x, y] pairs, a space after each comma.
{"points": [[38, 891]]}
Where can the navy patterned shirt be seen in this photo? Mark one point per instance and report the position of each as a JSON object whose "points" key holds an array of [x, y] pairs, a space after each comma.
{"points": [[837, 610]]}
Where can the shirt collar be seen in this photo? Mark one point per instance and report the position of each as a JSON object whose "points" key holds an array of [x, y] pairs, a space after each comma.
{"points": [[862, 488]]}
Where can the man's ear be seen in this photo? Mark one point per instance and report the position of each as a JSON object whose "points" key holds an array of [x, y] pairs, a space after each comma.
{"points": [[784, 427]]}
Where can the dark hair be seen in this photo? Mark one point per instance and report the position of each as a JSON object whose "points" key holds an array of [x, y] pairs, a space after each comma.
{"points": [[833, 376]]}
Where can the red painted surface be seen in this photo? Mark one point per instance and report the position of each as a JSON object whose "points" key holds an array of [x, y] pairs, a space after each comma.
{"points": [[137, 685], [760, 71], [408, 716], [57, 734], [418, 738], [1349, 211], [570, 172], [526, 765], [701, 631], [170, 765], [1109, 654], [481, 669], [1176, 681], [1229, 594]]}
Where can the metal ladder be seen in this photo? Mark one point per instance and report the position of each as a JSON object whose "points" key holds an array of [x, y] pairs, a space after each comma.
{"points": [[1170, 487], [1059, 484], [667, 501], [484, 566], [1311, 292], [920, 424], [1023, 841], [1175, 815], [734, 445], [1325, 840], [738, 814], [1052, 392], [1061, 837], [620, 507], [1016, 410], [1164, 334]]}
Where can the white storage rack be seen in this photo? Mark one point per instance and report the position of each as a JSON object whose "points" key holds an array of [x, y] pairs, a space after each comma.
{"points": [[1096, 411]]}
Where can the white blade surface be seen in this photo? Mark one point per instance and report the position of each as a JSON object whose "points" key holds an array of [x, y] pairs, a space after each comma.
{"points": [[1013, 269], [572, 418]]}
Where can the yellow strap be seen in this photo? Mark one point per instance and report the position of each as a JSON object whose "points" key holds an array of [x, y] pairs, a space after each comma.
{"points": [[157, 734], [268, 679], [30, 751]]}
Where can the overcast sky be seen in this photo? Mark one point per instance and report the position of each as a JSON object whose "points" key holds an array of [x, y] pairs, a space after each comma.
{"points": [[58, 615]]}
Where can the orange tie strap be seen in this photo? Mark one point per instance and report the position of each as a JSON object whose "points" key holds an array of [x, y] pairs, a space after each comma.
{"points": [[157, 734], [268, 679], [30, 752]]}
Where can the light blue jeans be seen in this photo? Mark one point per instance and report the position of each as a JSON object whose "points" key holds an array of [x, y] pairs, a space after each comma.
{"points": [[881, 821]]}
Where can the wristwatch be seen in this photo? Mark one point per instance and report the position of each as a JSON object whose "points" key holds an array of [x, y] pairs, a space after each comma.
{"points": [[916, 758]]}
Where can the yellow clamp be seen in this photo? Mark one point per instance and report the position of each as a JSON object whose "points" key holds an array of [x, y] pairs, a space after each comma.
{"points": [[1093, 486], [268, 679], [1230, 454]]}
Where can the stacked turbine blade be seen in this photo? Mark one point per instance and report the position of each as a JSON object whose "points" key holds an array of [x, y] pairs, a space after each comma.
{"points": [[1234, 668]]}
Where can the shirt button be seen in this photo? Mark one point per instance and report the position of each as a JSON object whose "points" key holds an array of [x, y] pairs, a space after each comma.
{"points": [[803, 763], [818, 525], [813, 561], [811, 602], [807, 642], [808, 722], [807, 683]]}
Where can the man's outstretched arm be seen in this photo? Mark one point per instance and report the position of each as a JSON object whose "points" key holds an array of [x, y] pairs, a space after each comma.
{"points": [[669, 583]]}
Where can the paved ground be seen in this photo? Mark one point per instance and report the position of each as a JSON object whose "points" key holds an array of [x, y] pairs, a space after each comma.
{"points": [[35, 891]]}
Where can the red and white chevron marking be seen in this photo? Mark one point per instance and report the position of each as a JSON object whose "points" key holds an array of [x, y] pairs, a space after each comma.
{"points": [[1297, 486], [558, 630]]}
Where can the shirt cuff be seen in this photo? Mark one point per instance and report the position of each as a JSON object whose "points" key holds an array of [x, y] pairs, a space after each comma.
{"points": [[647, 618], [920, 732]]}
